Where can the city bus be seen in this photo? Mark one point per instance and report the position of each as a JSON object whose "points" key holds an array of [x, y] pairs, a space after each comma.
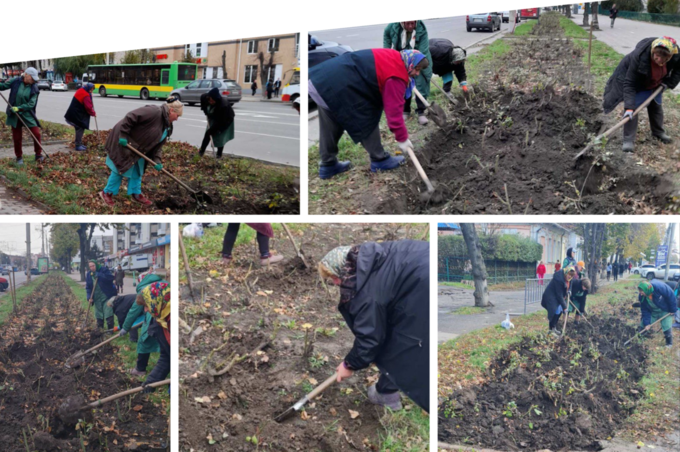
{"points": [[291, 91], [145, 81]]}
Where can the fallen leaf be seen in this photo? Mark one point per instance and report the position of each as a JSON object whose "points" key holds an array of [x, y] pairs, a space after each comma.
{"points": [[137, 408], [353, 414], [313, 381], [222, 395], [304, 415]]}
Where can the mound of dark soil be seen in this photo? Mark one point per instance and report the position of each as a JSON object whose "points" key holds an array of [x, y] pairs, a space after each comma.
{"points": [[547, 394]]}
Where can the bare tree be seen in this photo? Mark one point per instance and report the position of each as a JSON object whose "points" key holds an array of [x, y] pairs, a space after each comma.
{"points": [[265, 70], [586, 14], [478, 267], [594, 6], [224, 64]]}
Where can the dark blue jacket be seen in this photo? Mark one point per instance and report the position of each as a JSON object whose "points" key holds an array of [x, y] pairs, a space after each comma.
{"points": [[555, 294], [14, 89], [349, 86], [104, 281], [390, 315], [663, 297], [76, 113]]}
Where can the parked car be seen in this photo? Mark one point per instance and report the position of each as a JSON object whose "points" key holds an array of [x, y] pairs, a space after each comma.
{"points": [[4, 271], [485, 21], [34, 271], [191, 94], [44, 84], [4, 284], [59, 85], [319, 51], [659, 272], [638, 270]]}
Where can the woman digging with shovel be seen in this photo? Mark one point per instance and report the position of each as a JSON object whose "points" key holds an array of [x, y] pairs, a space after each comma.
{"points": [[384, 293], [352, 91], [100, 278], [146, 129], [653, 63], [657, 300], [554, 298], [23, 99], [220, 117], [155, 297]]}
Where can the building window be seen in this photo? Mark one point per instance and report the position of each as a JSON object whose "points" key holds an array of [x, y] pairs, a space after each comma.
{"points": [[273, 45], [250, 74], [198, 50], [297, 45], [252, 47]]}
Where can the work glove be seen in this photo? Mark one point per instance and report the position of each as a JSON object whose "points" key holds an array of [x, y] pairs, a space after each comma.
{"points": [[628, 114], [15, 109], [122, 333], [464, 86], [405, 145], [147, 389], [158, 167], [123, 142]]}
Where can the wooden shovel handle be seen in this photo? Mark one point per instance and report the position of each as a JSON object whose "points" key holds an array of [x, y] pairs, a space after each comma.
{"points": [[22, 121], [422, 99], [448, 95], [292, 240], [116, 336], [322, 387], [128, 392], [650, 326], [168, 173], [420, 169]]}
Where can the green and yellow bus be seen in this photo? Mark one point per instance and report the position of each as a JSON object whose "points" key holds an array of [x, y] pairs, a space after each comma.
{"points": [[140, 80]]}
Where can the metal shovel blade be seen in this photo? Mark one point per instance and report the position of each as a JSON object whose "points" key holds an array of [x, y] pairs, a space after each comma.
{"points": [[203, 198], [290, 412], [75, 361], [438, 115]]}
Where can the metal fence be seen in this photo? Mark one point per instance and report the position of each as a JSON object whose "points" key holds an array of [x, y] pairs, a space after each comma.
{"points": [[667, 19], [533, 290], [458, 268]]}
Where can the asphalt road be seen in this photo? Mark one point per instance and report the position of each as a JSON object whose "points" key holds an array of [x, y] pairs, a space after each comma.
{"points": [[264, 130], [371, 36], [20, 279]]}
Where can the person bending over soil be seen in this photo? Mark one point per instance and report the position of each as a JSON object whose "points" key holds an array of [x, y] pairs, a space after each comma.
{"points": [[121, 306], [384, 298], [220, 116], [656, 300], [579, 289], [155, 297], [653, 63], [448, 60], [554, 298], [352, 91], [101, 277], [264, 233]]}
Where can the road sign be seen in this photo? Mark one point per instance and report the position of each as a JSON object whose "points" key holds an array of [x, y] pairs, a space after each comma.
{"points": [[661, 253]]}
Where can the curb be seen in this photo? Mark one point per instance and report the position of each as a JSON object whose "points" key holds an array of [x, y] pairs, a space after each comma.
{"points": [[6, 182], [49, 143]]}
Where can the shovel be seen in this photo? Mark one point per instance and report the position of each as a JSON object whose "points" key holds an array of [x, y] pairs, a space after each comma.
{"points": [[29, 130], [96, 124], [89, 304], [650, 327], [580, 313], [448, 95], [421, 171], [620, 124], [297, 250], [78, 359], [202, 198], [301, 403], [438, 115]]}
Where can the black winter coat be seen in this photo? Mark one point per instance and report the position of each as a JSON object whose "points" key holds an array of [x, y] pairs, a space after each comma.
{"points": [[390, 315], [441, 50], [223, 115], [632, 73], [578, 293], [121, 307], [555, 294]]}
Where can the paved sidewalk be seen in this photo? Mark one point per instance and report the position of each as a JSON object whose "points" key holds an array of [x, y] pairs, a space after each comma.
{"points": [[451, 298]]}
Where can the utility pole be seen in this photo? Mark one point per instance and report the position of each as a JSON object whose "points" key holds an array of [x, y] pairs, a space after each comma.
{"points": [[669, 253], [28, 253]]}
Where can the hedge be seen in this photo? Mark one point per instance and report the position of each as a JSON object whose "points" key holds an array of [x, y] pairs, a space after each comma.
{"points": [[505, 247]]}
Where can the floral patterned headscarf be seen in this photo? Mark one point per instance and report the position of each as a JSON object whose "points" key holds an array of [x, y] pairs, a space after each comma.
{"points": [[667, 43], [411, 58], [334, 261], [157, 301]]}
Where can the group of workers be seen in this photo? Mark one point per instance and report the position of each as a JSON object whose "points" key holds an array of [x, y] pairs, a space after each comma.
{"points": [[147, 311], [354, 89]]}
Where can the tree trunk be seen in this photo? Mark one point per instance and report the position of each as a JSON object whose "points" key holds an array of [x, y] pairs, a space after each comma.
{"points": [[586, 14], [594, 6], [478, 267], [567, 11]]}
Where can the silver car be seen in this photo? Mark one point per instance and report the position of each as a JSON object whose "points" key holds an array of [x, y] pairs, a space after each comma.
{"points": [[191, 94], [484, 21]]}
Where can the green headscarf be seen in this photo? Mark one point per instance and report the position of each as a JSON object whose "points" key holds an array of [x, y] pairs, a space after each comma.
{"points": [[646, 288], [96, 264], [334, 261]]}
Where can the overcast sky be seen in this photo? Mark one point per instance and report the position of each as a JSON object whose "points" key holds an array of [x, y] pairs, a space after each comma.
{"points": [[13, 238]]}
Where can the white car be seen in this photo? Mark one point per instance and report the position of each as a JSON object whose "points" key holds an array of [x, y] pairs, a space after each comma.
{"points": [[638, 270], [658, 273], [59, 85]]}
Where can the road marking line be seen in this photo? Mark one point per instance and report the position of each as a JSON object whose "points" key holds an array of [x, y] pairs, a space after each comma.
{"points": [[253, 133]]}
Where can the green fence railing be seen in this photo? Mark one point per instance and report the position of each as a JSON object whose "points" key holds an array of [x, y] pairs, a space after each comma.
{"points": [[666, 19], [458, 268]]}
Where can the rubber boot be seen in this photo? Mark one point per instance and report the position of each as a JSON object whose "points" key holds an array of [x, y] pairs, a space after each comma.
{"points": [[669, 338], [109, 322], [389, 163], [391, 400], [326, 172], [100, 324], [664, 138], [628, 146]]}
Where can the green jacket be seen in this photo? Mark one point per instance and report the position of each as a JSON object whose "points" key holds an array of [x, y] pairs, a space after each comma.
{"points": [[101, 309], [392, 40], [25, 101], [145, 343]]}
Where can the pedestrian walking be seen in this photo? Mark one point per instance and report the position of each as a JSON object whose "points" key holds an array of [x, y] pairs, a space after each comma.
{"points": [[540, 272], [653, 63], [615, 271], [120, 276], [23, 98], [270, 89], [613, 12], [656, 300], [79, 113], [609, 271], [384, 288], [554, 299], [447, 60], [264, 233], [412, 35], [277, 87], [378, 80], [146, 129], [100, 278], [253, 86], [220, 116]]}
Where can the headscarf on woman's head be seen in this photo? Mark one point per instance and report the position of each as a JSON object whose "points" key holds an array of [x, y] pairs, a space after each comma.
{"points": [[458, 54], [334, 261], [666, 42], [89, 87], [646, 288], [568, 269], [570, 252], [172, 103], [411, 59], [156, 298], [215, 95], [144, 279], [96, 264]]}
